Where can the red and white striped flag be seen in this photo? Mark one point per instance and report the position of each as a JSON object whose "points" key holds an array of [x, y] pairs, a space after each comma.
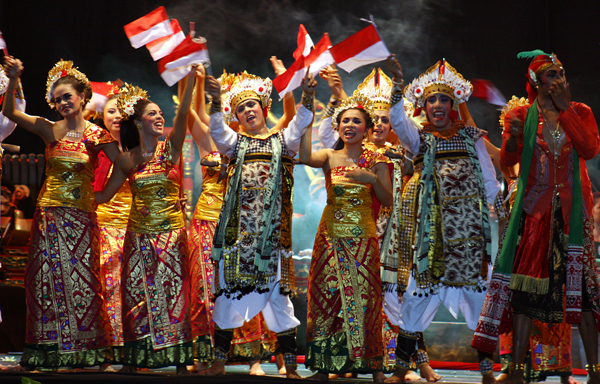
{"points": [[160, 48], [305, 43], [317, 59], [486, 90], [100, 91], [362, 48], [177, 64], [149, 28]]}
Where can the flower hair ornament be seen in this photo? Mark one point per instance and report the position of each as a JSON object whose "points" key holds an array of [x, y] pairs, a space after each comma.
{"points": [[245, 86], [61, 69], [440, 78], [357, 100], [378, 88], [129, 95]]}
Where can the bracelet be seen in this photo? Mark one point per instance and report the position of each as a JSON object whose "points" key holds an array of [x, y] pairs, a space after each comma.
{"points": [[591, 368], [308, 101], [486, 366], [516, 367]]}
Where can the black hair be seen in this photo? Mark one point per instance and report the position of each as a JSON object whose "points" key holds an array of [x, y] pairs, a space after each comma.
{"points": [[130, 135], [339, 144], [99, 120], [79, 86]]}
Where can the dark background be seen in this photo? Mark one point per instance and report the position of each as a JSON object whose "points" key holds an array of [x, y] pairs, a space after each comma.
{"points": [[479, 38]]}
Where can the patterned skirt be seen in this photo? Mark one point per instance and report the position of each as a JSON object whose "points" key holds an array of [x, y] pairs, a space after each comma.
{"points": [[155, 295], [67, 324], [344, 329]]}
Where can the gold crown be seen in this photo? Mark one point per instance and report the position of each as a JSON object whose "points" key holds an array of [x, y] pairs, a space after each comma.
{"points": [[377, 87], [129, 95], [439, 78], [357, 100], [243, 87], [61, 69]]}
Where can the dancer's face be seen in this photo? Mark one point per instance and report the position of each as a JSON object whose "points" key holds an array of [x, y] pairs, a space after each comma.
{"points": [[438, 107], [352, 126], [152, 120], [68, 102], [379, 133], [250, 115], [112, 117]]}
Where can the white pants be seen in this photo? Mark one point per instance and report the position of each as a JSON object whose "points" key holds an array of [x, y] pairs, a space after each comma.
{"points": [[277, 309], [415, 313]]}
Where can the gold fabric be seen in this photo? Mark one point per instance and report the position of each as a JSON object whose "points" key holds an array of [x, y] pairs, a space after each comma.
{"points": [[155, 186], [210, 201], [115, 213], [70, 170]]}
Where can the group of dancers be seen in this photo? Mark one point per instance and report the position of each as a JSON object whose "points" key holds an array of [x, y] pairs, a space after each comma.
{"points": [[112, 277]]}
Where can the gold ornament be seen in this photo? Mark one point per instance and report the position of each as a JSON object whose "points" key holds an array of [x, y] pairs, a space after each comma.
{"points": [[61, 69]]}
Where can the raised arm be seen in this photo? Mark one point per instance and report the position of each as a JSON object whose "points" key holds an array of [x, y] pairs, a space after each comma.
{"points": [[198, 118], [177, 135], [7, 126], [35, 124], [289, 103], [305, 117], [224, 137], [116, 180]]}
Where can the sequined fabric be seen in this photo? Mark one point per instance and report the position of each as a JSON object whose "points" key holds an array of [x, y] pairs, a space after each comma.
{"points": [[344, 330], [155, 186], [210, 201], [115, 213], [65, 307], [70, 170]]}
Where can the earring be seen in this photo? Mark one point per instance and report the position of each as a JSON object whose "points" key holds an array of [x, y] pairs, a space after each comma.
{"points": [[139, 126]]}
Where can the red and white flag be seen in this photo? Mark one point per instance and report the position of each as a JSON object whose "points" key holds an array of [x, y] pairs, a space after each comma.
{"points": [[305, 43], [362, 48], [177, 64], [160, 48], [484, 89], [149, 28], [100, 91], [317, 59], [3, 45]]}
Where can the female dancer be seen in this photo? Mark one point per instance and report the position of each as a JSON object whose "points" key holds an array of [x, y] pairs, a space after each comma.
{"points": [[112, 220], [67, 325], [155, 288], [344, 295]]}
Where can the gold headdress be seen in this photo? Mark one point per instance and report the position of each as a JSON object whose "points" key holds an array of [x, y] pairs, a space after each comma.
{"points": [[512, 103], [378, 88], [226, 80], [3, 81], [61, 69], [243, 87], [129, 95], [440, 78], [357, 100]]}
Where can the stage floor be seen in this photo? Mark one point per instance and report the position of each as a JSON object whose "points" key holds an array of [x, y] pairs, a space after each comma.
{"points": [[235, 374]]}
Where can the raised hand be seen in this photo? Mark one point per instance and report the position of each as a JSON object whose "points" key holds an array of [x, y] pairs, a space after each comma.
{"points": [[395, 68], [308, 83], [13, 67], [213, 88], [560, 94], [278, 66]]}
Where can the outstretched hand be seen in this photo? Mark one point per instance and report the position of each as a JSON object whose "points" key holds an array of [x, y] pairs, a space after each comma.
{"points": [[13, 67], [213, 88], [334, 80], [395, 68], [278, 66], [200, 73], [309, 84], [560, 94]]}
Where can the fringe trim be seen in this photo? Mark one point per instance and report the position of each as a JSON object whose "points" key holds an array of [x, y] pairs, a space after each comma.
{"points": [[529, 284]]}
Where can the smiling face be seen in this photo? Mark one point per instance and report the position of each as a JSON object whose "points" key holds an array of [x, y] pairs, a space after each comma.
{"points": [[250, 115], [379, 133], [68, 102], [352, 126], [438, 107], [152, 121], [112, 118]]}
